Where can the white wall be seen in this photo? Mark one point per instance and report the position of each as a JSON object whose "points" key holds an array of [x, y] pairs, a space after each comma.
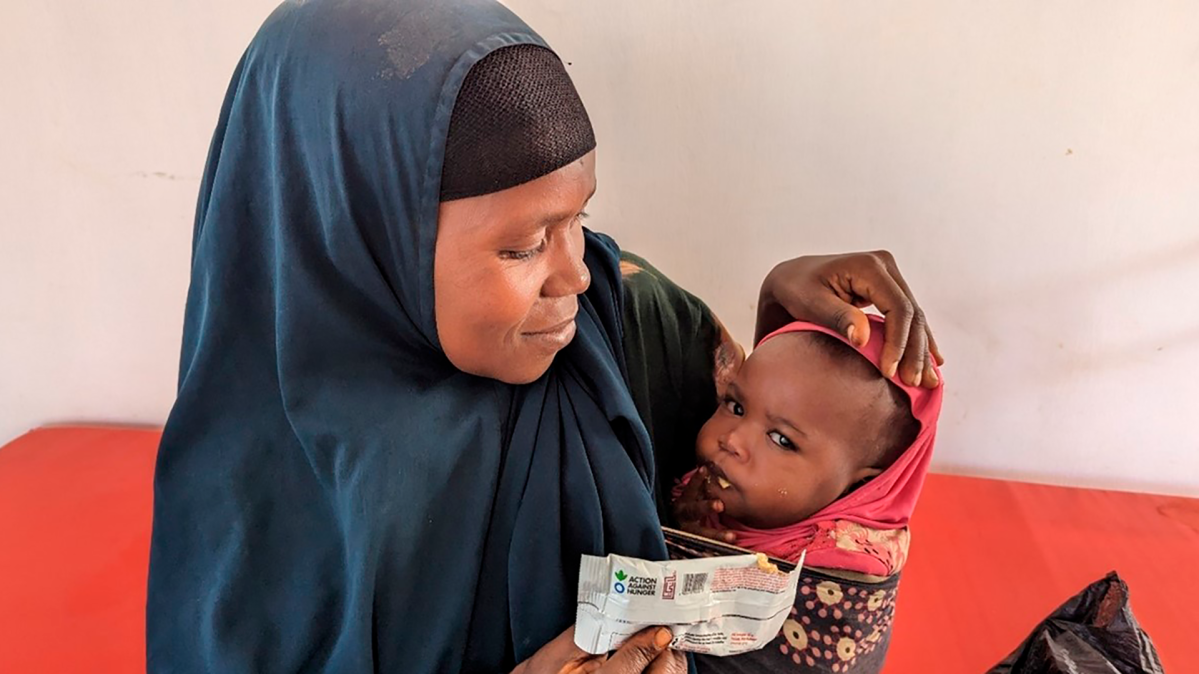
{"points": [[106, 115], [1034, 166]]}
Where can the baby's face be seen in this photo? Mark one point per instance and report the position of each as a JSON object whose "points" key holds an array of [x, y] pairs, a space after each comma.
{"points": [[788, 435]]}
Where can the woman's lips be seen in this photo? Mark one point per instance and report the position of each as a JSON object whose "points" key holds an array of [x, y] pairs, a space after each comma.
{"points": [[557, 336]]}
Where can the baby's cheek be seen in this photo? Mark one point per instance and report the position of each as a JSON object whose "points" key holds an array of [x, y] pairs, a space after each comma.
{"points": [[782, 504], [736, 508], [705, 444], [757, 504]]}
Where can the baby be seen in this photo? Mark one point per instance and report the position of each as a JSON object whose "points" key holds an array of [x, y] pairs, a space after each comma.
{"points": [[812, 448]]}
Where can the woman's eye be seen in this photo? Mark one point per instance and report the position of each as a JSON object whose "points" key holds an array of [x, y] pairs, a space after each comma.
{"points": [[577, 221], [780, 440], [521, 255], [734, 407]]}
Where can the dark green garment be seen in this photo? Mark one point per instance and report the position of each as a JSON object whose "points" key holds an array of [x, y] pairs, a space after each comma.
{"points": [[670, 342]]}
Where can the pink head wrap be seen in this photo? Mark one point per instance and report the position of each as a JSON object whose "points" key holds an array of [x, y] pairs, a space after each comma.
{"points": [[883, 503]]}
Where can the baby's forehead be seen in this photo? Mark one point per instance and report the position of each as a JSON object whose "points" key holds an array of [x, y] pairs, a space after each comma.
{"points": [[797, 368], [810, 350]]}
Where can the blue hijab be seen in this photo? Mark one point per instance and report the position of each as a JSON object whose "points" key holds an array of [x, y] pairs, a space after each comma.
{"points": [[331, 494]]}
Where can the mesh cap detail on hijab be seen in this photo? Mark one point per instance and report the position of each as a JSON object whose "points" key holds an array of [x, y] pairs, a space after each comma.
{"points": [[517, 118]]}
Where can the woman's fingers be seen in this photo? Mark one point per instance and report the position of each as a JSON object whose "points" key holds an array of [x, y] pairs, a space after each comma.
{"points": [[561, 656], [840, 313], [909, 349], [874, 281], [635, 655], [931, 378], [647, 651], [670, 662], [915, 355], [591, 666], [831, 289], [922, 350], [875, 277], [934, 349]]}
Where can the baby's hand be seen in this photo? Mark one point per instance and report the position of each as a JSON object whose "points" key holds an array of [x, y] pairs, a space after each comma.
{"points": [[696, 512]]}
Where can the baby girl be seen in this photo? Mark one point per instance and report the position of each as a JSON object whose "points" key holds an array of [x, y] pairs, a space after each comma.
{"points": [[813, 449]]}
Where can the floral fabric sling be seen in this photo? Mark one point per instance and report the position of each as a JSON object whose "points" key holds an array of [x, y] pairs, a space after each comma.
{"points": [[840, 623]]}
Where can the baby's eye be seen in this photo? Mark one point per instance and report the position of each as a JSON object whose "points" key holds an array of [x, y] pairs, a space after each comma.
{"points": [[781, 440], [734, 407]]}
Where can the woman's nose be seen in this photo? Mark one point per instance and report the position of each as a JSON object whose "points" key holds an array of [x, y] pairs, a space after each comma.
{"points": [[569, 274]]}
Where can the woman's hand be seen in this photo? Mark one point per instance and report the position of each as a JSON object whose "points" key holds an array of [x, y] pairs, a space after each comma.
{"points": [[645, 652], [831, 289], [694, 509]]}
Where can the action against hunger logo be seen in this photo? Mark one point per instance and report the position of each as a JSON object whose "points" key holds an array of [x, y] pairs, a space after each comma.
{"points": [[636, 585]]}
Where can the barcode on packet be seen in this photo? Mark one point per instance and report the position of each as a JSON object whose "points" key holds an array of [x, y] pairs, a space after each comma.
{"points": [[694, 582]]}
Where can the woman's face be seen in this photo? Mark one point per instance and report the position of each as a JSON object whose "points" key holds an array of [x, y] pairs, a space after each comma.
{"points": [[507, 273]]}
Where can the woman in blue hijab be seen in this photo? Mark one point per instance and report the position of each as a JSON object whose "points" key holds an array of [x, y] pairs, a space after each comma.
{"points": [[413, 388]]}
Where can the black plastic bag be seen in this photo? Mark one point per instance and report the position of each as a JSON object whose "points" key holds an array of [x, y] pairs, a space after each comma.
{"points": [[1093, 632]]}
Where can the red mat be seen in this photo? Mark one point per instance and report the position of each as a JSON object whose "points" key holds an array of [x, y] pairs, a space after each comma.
{"points": [[74, 545], [989, 560]]}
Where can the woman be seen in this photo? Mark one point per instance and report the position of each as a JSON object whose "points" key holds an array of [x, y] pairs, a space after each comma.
{"points": [[404, 406]]}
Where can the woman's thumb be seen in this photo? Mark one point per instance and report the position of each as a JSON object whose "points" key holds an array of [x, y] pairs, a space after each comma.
{"points": [[836, 314], [639, 651]]}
